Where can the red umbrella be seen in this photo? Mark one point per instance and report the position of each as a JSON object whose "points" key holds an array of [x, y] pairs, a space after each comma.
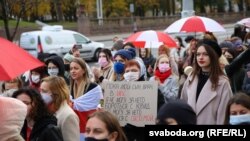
{"points": [[151, 38], [14, 60], [195, 24]]}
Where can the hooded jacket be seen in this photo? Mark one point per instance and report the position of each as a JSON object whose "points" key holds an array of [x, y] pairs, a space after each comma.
{"points": [[13, 112], [58, 61]]}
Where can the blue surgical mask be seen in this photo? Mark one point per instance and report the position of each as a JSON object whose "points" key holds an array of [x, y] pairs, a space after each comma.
{"points": [[119, 67], [53, 72], [47, 98], [94, 139], [239, 119]]}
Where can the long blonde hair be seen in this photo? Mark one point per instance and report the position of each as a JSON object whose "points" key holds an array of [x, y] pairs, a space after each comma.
{"points": [[59, 90], [85, 80]]}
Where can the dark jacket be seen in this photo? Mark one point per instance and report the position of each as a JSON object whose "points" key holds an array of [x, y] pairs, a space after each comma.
{"points": [[150, 61], [235, 71], [43, 130], [246, 82]]}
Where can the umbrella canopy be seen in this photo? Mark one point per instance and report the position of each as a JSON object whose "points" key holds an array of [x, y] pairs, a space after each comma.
{"points": [[151, 38], [245, 22], [195, 24], [14, 60]]}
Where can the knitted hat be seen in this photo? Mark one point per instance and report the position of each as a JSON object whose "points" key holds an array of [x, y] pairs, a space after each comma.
{"points": [[178, 110], [226, 44], [68, 57], [118, 45], [13, 113], [214, 45], [125, 54]]}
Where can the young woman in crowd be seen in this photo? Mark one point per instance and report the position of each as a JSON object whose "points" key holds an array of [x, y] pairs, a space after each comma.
{"points": [[8, 87], [238, 110], [103, 126], [36, 76], [120, 58], [106, 66], [166, 78], [39, 124], [85, 94], [179, 54], [55, 94], [164, 49], [148, 60], [55, 67], [207, 90]]}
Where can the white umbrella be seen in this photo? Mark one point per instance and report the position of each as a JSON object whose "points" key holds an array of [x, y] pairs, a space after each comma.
{"points": [[245, 22]]}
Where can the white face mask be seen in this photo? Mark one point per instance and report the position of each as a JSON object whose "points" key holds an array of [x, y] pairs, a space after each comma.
{"points": [[53, 72], [47, 98], [35, 78], [239, 119], [131, 76], [113, 52]]}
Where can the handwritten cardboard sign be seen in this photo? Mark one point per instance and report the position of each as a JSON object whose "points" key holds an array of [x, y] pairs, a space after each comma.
{"points": [[131, 102]]}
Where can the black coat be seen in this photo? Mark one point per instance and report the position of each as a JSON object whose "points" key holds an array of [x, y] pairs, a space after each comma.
{"points": [[236, 72], [43, 130]]}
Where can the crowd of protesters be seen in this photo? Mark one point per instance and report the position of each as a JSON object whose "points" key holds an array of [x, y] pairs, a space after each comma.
{"points": [[202, 82]]}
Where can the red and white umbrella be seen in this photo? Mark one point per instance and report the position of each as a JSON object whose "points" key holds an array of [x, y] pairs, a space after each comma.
{"points": [[195, 24], [245, 22], [151, 39]]}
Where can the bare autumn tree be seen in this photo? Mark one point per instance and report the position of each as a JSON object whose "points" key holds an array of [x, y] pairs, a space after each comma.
{"points": [[10, 9]]}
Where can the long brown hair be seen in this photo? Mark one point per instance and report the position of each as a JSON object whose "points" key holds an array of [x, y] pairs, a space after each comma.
{"points": [[111, 123], [165, 48], [239, 98], [85, 78], [215, 70]]}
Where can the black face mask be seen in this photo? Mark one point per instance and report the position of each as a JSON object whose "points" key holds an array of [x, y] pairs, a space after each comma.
{"points": [[93, 139]]}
